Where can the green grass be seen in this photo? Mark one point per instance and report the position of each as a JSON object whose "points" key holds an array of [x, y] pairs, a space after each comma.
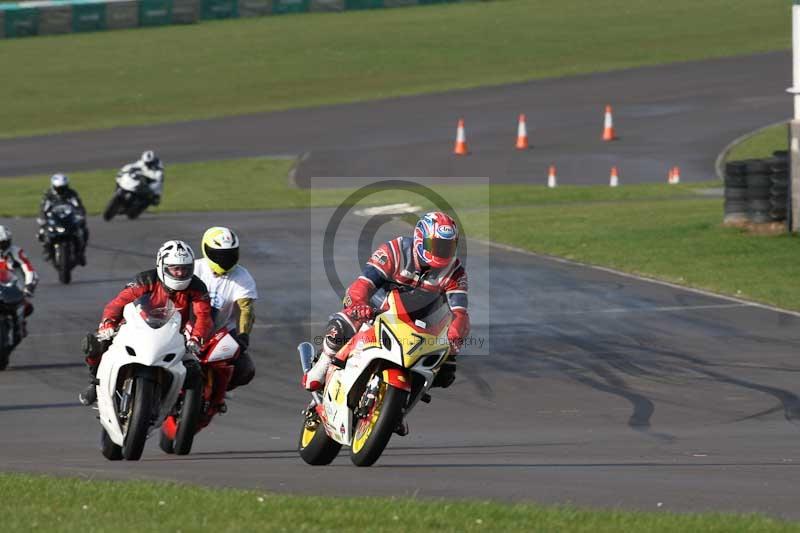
{"points": [[261, 183], [106, 79], [761, 144], [69, 505], [657, 230]]}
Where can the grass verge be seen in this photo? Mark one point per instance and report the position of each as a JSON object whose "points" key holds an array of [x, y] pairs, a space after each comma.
{"points": [[761, 144], [55, 504], [658, 230], [105, 79]]}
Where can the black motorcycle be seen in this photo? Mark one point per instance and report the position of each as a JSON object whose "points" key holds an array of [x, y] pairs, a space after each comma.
{"points": [[131, 197], [12, 317], [62, 236]]}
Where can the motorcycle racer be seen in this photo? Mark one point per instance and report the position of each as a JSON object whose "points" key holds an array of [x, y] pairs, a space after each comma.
{"points": [[13, 259], [427, 261], [172, 279], [61, 192], [150, 167], [232, 291]]}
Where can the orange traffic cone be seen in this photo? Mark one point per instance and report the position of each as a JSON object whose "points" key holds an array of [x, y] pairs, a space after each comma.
{"points": [[674, 176], [608, 126], [551, 177], [461, 140], [522, 134], [613, 181]]}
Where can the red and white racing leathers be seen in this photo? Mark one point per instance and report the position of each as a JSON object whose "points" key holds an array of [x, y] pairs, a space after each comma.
{"points": [[15, 260], [395, 264], [194, 298]]}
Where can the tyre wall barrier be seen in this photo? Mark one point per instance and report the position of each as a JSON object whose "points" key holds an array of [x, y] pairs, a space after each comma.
{"points": [[757, 190], [49, 17]]}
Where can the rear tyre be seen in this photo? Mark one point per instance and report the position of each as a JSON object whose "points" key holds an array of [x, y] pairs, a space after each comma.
{"points": [[371, 439], [144, 396], [316, 447], [166, 444], [188, 418], [111, 451]]}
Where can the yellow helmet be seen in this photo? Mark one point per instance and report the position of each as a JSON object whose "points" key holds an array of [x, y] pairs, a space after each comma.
{"points": [[221, 249]]}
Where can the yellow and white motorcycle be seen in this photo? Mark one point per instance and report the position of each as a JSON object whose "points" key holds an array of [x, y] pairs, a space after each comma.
{"points": [[390, 366]]}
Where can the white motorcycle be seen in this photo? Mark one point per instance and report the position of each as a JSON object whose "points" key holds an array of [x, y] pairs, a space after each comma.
{"points": [[140, 378], [134, 193], [390, 366]]}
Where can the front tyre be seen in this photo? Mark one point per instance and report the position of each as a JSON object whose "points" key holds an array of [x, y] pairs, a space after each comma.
{"points": [[316, 447], [373, 431], [189, 418], [61, 261], [144, 398], [112, 207], [5, 347]]}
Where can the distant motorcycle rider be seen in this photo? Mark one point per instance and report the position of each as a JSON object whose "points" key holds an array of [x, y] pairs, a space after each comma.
{"points": [[173, 279], [13, 259], [233, 292], [150, 167], [61, 193], [428, 262]]}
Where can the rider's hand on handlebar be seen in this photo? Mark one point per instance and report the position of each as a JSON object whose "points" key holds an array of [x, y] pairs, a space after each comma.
{"points": [[360, 312], [106, 330], [28, 290]]}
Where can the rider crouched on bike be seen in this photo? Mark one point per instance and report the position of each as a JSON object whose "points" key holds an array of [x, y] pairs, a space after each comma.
{"points": [[233, 292], [427, 261], [61, 193], [172, 279], [13, 259], [150, 167]]}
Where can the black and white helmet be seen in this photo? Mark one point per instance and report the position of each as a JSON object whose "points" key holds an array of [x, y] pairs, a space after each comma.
{"points": [[150, 160], [175, 265], [59, 183], [5, 238]]}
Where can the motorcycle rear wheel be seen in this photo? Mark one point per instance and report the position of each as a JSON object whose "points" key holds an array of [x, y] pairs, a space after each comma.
{"points": [[144, 398], [316, 447], [110, 451], [373, 434]]}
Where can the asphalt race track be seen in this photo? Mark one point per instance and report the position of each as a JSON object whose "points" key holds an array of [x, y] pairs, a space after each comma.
{"points": [[681, 114], [590, 388]]}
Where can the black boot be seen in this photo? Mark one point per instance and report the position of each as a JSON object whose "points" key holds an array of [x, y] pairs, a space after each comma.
{"points": [[89, 396]]}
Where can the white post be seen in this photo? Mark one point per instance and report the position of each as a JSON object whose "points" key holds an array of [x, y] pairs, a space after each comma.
{"points": [[794, 147]]}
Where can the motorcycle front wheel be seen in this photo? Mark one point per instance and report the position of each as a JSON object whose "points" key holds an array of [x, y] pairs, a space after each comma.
{"points": [[189, 418], [61, 256], [316, 447], [5, 347], [111, 208], [374, 430], [144, 398]]}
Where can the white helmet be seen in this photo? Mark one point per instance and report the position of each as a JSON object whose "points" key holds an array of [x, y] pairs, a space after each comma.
{"points": [[5, 238], [59, 182], [175, 265]]}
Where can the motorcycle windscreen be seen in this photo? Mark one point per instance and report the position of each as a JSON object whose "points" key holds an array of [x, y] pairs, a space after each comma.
{"points": [[10, 291], [424, 308], [154, 314]]}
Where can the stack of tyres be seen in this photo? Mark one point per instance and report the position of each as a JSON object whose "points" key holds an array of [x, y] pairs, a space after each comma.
{"points": [[759, 185], [735, 193], [779, 192]]}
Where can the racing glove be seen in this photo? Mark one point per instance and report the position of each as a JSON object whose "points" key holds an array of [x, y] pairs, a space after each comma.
{"points": [[244, 340], [458, 330], [360, 312], [106, 330]]}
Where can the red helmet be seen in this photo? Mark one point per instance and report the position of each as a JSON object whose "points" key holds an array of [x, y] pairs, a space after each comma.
{"points": [[435, 239]]}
